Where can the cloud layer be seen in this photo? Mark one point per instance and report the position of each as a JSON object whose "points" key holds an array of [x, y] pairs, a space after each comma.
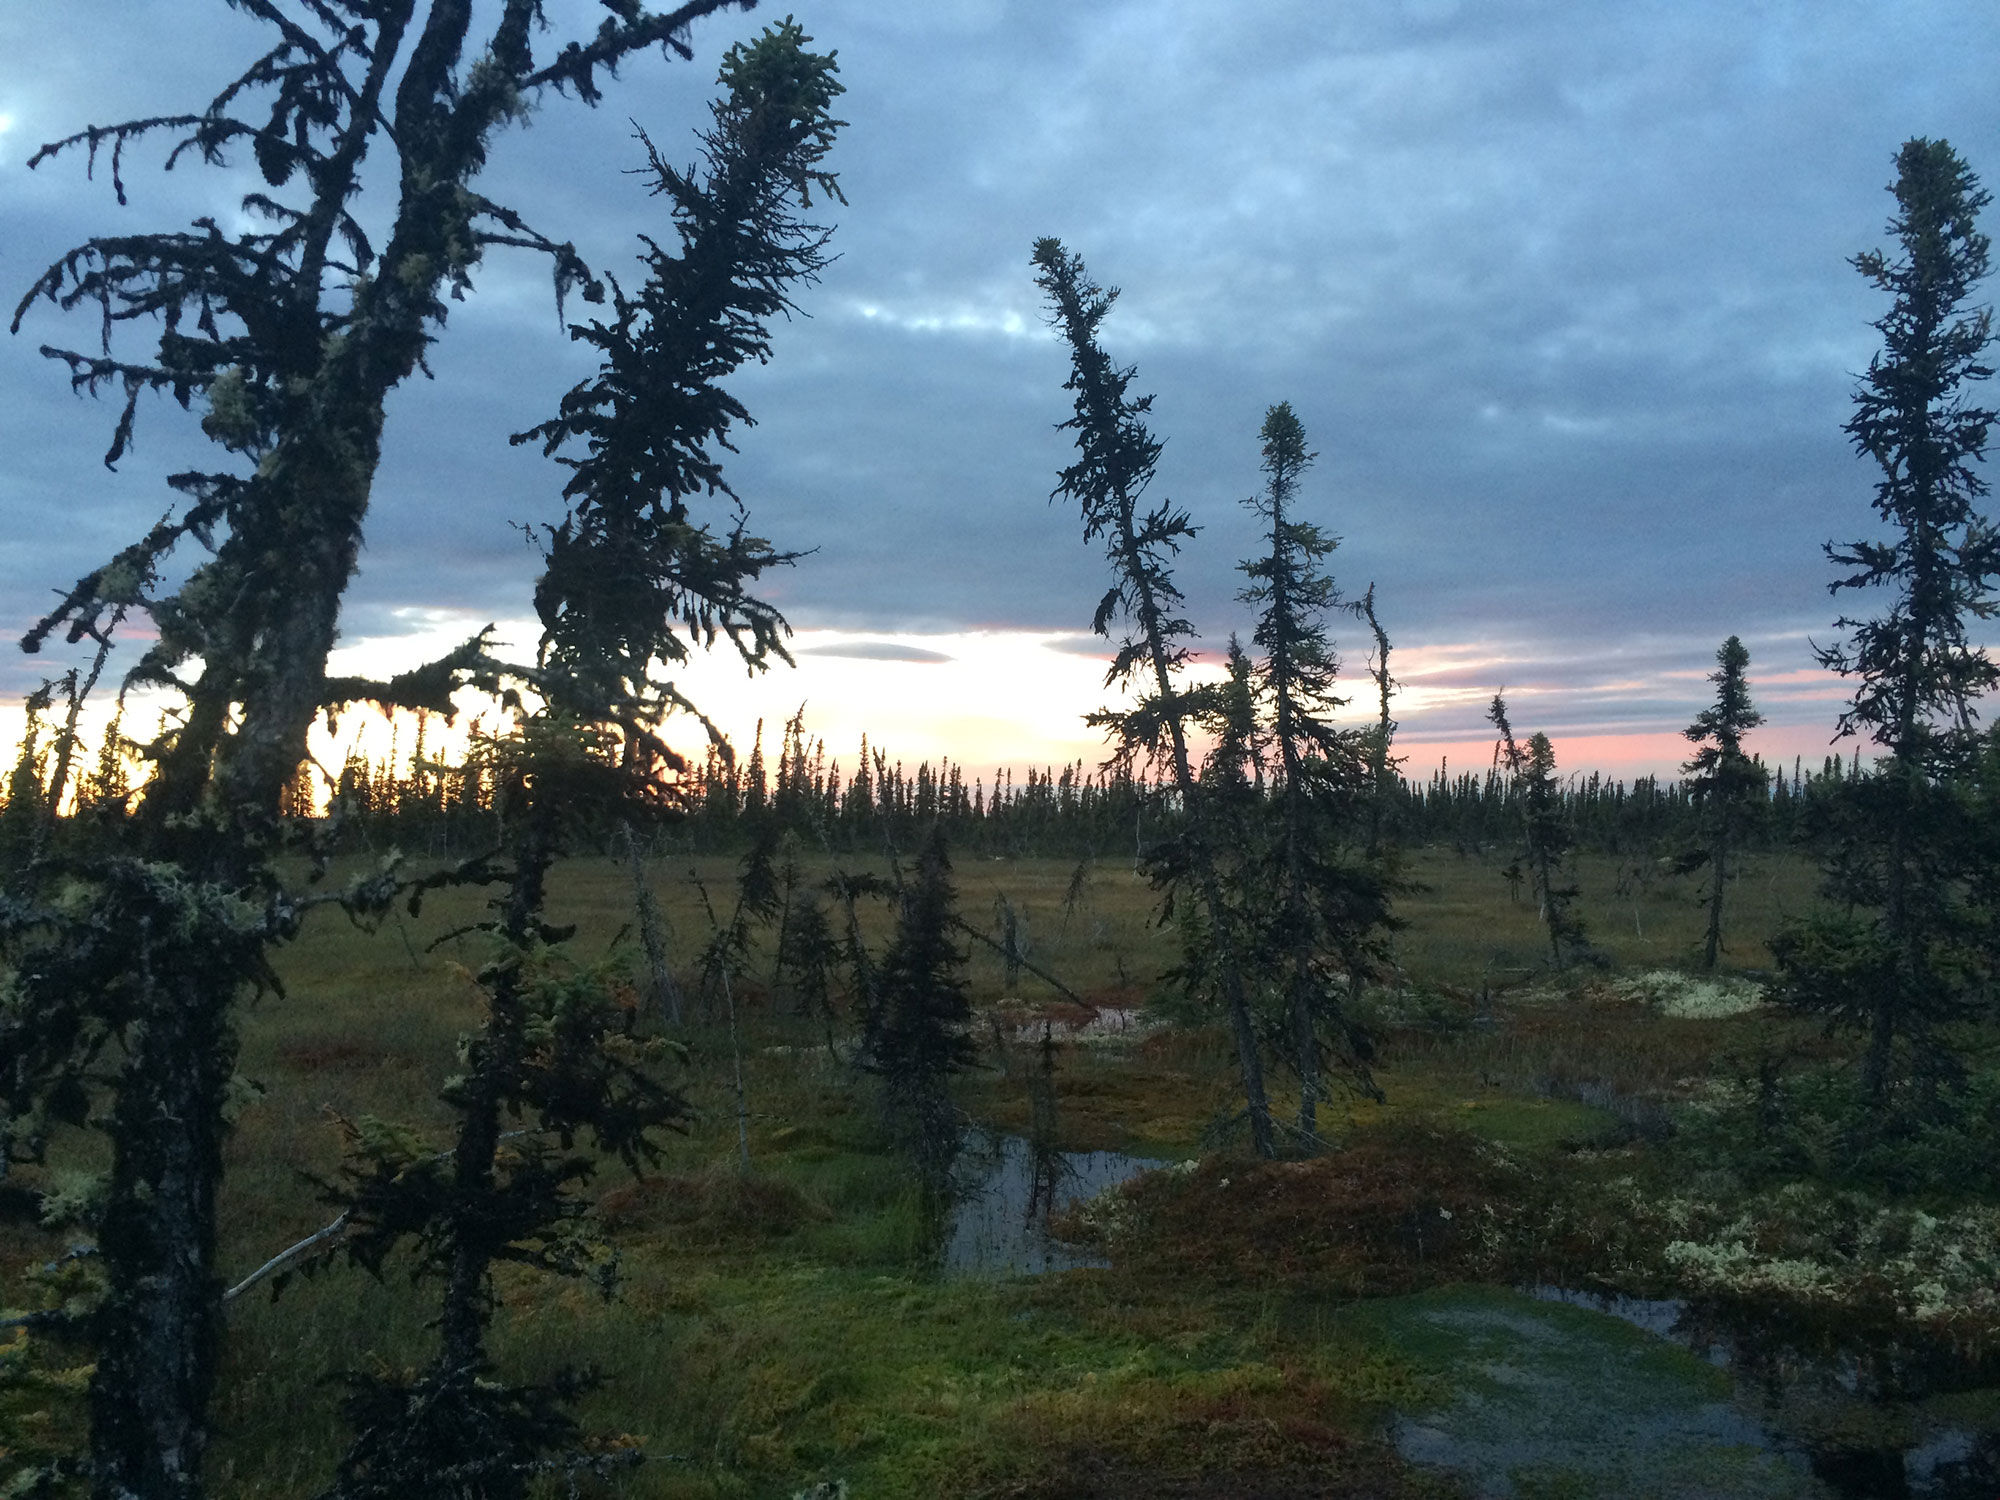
{"points": [[1558, 288]]}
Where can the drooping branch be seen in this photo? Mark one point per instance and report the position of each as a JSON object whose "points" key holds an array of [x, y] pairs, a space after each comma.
{"points": [[578, 64]]}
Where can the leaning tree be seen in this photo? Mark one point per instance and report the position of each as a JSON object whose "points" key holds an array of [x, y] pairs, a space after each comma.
{"points": [[636, 580], [1116, 457], [290, 333], [1546, 836]]}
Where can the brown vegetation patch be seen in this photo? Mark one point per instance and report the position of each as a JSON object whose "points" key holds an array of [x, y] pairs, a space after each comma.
{"points": [[1596, 1040], [332, 1054], [1116, 997], [1400, 1208], [1257, 1434], [710, 1207]]}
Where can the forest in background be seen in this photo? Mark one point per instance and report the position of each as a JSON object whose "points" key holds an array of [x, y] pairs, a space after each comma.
{"points": [[439, 807], [1277, 852]]}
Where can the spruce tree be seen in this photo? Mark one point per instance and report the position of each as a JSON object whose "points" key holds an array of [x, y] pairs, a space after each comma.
{"points": [[1725, 784], [1330, 912], [291, 330], [1116, 456], [1232, 773], [635, 584], [1546, 836], [919, 1039], [1907, 954], [644, 437], [550, 1066]]}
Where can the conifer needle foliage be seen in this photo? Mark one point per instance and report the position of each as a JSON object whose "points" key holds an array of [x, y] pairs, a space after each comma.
{"points": [[1726, 784], [1319, 904], [645, 436], [1116, 456], [917, 1037], [629, 571], [1546, 835], [1904, 852], [291, 331]]}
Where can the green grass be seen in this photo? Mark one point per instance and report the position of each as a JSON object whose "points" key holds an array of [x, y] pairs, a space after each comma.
{"points": [[1464, 927], [786, 1328]]}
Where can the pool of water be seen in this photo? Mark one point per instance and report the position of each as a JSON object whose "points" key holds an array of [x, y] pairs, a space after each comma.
{"points": [[1003, 1192], [1867, 1420], [1558, 1391], [1551, 1400], [1563, 1392]]}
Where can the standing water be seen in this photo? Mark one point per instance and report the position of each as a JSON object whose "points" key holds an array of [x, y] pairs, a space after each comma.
{"points": [[1874, 1421], [1562, 1392], [1005, 1189]]}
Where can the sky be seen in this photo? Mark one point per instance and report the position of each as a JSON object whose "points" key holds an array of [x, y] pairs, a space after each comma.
{"points": [[1558, 288]]}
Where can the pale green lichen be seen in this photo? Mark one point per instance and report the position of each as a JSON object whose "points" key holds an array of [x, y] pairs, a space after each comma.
{"points": [[232, 419], [73, 1198], [1110, 1216], [1684, 997], [1806, 1245]]}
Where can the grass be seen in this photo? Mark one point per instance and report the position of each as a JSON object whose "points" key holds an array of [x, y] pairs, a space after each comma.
{"points": [[783, 1328]]}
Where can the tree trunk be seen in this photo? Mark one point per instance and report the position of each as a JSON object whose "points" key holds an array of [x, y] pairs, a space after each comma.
{"points": [[159, 1339], [1719, 863], [1256, 1102], [660, 989], [1305, 1037], [159, 1331]]}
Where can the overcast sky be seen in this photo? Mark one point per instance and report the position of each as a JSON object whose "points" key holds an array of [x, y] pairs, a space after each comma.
{"points": [[1558, 287]]}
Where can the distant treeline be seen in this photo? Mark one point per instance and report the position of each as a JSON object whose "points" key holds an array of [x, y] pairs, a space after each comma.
{"points": [[1475, 811], [872, 802], [428, 805]]}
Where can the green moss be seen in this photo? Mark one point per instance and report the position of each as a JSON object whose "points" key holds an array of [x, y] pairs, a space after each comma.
{"points": [[1560, 1400], [789, 1329]]}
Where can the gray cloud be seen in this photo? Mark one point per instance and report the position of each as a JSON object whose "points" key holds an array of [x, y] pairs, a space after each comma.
{"points": [[875, 651], [1558, 288]]}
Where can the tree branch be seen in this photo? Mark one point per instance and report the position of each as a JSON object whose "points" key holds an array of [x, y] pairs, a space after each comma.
{"points": [[290, 1255]]}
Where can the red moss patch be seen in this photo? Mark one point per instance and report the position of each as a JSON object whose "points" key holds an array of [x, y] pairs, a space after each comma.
{"points": [[1400, 1208], [1285, 1438], [710, 1207], [342, 1054]]}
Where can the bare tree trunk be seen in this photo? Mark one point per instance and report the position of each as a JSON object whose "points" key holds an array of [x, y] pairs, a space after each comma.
{"points": [[660, 991], [1719, 861], [742, 1095]]}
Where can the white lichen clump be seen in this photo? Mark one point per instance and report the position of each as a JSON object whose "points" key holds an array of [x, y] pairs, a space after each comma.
{"points": [[1805, 1245], [1684, 997], [1110, 1216]]}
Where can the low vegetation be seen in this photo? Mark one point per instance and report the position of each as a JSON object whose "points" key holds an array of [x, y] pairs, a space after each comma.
{"points": [[544, 1173], [791, 1324]]}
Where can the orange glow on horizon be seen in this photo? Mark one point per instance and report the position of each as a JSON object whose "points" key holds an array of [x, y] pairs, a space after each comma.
{"points": [[991, 699]]}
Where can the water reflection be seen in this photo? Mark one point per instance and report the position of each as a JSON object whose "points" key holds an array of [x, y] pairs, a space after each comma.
{"points": [[1005, 1189], [1869, 1422]]}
